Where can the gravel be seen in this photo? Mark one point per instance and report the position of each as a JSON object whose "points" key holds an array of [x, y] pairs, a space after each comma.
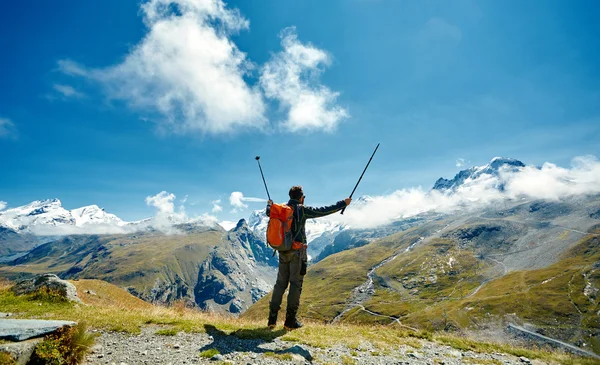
{"points": [[185, 348]]}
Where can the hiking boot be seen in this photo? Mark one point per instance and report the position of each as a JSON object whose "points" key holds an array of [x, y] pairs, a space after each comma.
{"points": [[272, 320], [291, 323]]}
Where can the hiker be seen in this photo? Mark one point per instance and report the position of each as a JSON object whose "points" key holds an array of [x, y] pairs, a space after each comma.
{"points": [[292, 264]]}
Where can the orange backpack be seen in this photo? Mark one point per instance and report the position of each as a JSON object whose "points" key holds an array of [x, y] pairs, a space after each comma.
{"points": [[279, 229]]}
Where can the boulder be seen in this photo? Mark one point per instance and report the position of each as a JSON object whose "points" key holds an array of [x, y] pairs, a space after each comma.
{"points": [[23, 329], [50, 282], [21, 351]]}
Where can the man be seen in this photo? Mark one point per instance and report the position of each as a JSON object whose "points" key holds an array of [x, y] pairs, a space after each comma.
{"points": [[292, 264]]}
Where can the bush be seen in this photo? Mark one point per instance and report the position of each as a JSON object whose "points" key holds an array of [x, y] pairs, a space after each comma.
{"points": [[7, 359], [68, 345], [49, 296]]}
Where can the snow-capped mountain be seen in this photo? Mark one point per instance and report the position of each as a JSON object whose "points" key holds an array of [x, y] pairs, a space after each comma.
{"points": [[464, 177], [92, 214], [50, 213]]}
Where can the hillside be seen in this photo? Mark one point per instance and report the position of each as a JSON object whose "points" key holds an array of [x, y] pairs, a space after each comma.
{"points": [[203, 266], [524, 262], [133, 331], [12, 243]]}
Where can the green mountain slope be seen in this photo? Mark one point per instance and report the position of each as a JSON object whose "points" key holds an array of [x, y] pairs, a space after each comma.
{"points": [[534, 263], [203, 266]]}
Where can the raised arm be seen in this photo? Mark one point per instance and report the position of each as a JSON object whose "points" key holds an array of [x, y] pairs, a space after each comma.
{"points": [[311, 212]]}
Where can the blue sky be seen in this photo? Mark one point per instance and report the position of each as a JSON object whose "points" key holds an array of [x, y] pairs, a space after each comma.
{"points": [[86, 119]]}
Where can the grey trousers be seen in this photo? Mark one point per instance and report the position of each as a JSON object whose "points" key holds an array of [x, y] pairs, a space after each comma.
{"points": [[290, 265]]}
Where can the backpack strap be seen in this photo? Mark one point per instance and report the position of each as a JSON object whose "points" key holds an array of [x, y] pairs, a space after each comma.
{"points": [[299, 229]]}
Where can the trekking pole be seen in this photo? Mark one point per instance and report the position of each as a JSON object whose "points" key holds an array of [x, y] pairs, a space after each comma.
{"points": [[263, 176], [361, 176]]}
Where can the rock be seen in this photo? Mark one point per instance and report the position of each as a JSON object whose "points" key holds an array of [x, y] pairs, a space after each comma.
{"points": [[236, 306], [5, 314], [50, 282], [217, 357], [23, 329], [415, 355], [525, 360], [21, 351], [299, 350], [90, 292], [455, 353]]}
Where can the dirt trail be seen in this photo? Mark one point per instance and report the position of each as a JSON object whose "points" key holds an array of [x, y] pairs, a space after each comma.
{"points": [[505, 270], [365, 291], [568, 346]]}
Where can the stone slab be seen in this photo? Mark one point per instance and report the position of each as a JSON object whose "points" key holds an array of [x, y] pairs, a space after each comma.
{"points": [[23, 329], [21, 351]]}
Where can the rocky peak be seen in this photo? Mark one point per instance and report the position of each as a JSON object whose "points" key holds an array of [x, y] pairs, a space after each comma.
{"points": [[241, 225], [494, 167]]}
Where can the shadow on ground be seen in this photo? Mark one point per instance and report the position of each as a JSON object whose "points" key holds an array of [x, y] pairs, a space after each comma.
{"points": [[249, 340]]}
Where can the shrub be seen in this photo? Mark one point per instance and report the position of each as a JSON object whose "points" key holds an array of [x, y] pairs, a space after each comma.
{"points": [[7, 359], [49, 296], [68, 345]]}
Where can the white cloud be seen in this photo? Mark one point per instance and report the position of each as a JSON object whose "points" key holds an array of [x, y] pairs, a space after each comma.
{"points": [[292, 77], [216, 206], [166, 215], [237, 199], [186, 69], [460, 162], [549, 182], [3, 205], [7, 128], [163, 201], [69, 67], [227, 225], [553, 182], [68, 91]]}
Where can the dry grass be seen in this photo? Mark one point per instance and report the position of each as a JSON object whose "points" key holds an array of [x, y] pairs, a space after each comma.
{"points": [[278, 356], [5, 284]]}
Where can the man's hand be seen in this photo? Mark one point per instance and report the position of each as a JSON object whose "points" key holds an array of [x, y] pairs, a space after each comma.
{"points": [[269, 202], [348, 200]]}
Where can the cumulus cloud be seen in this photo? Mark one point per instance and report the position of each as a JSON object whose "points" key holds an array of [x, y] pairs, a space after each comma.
{"points": [[217, 206], [237, 201], [550, 182], [3, 205], [165, 215], [7, 128], [186, 69], [68, 91], [292, 78], [553, 182]]}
